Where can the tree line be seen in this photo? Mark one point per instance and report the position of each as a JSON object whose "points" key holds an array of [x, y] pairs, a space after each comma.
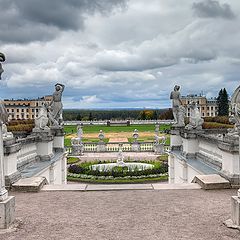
{"points": [[123, 114]]}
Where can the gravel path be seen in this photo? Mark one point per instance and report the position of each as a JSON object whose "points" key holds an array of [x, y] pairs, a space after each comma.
{"points": [[128, 215]]}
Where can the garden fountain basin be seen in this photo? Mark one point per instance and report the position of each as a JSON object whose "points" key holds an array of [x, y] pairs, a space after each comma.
{"points": [[132, 166]]}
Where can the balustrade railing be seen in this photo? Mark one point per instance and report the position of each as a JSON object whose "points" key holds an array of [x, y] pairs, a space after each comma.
{"points": [[115, 147]]}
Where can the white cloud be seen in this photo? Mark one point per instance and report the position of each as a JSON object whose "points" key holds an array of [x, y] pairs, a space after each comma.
{"points": [[129, 58]]}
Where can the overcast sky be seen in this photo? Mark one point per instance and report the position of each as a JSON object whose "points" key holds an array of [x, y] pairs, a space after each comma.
{"points": [[117, 53]]}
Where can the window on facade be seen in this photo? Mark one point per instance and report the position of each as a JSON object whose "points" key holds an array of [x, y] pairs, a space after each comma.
{"points": [[22, 110], [17, 110]]}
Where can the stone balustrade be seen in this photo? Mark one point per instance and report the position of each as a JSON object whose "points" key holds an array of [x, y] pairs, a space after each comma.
{"points": [[115, 146], [132, 122]]}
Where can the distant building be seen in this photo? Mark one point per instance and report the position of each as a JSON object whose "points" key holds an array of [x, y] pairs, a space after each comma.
{"points": [[207, 107], [23, 109]]}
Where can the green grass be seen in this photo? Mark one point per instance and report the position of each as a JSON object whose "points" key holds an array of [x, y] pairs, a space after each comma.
{"points": [[119, 181], [67, 141], [69, 129], [72, 160]]}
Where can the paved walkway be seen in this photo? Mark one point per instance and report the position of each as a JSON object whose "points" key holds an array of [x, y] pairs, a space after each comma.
{"points": [[124, 215]]}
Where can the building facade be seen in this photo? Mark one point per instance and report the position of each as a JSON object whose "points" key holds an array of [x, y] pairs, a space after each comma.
{"points": [[207, 107], [24, 109]]}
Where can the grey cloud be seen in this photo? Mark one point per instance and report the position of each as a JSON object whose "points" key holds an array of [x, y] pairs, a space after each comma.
{"points": [[213, 9], [42, 20]]}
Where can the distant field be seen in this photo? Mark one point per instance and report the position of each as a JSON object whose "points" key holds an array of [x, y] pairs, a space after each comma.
{"points": [[107, 129], [90, 133]]}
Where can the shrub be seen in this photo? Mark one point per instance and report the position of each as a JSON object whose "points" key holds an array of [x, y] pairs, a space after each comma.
{"points": [[215, 125]]}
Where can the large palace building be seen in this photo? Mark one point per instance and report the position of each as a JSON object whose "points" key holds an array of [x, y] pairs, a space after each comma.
{"points": [[207, 107], [25, 108]]}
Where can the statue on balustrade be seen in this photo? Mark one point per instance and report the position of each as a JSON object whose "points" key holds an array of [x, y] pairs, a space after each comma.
{"points": [[41, 122], [2, 59], [56, 107], [235, 113], [195, 120], [177, 108]]}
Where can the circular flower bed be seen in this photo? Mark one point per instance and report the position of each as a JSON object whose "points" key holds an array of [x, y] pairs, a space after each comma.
{"points": [[85, 172]]}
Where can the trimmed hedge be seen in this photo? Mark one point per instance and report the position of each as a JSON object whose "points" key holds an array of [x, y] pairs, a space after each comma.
{"points": [[84, 168], [215, 125]]}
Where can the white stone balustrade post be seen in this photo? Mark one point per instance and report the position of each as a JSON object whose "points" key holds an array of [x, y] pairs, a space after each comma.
{"points": [[3, 191]]}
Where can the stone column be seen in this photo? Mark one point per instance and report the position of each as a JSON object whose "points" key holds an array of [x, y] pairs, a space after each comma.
{"points": [[234, 222], [7, 204], [3, 191]]}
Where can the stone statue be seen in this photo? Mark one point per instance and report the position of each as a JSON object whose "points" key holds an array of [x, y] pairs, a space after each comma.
{"points": [[235, 113], [177, 107], [2, 59], [235, 107], [42, 120], [55, 108], [3, 114], [195, 120], [79, 132]]}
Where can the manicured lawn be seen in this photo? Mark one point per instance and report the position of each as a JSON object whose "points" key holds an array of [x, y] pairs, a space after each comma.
{"points": [[107, 129]]}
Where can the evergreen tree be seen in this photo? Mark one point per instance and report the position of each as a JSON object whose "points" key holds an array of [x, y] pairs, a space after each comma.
{"points": [[155, 115], [222, 103], [90, 118]]}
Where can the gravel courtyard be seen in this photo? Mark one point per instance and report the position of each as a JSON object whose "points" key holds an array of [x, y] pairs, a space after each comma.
{"points": [[128, 215]]}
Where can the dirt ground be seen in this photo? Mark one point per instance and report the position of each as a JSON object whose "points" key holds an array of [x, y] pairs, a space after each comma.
{"points": [[124, 215], [113, 135]]}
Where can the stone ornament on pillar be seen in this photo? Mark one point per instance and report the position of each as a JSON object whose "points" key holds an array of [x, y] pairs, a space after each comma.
{"points": [[2, 59], [177, 108], [3, 120], [7, 203], [195, 120], [234, 222]]}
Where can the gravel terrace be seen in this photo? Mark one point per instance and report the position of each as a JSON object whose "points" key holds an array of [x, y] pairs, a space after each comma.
{"points": [[128, 215]]}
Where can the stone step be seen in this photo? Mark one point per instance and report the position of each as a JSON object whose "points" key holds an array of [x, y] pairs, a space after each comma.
{"points": [[119, 187], [32, 184], [65, 187], [176, 186], [212, 181]]}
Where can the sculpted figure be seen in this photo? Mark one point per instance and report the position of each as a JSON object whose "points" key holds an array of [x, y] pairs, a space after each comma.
{"points": [[55, 109], [2, 59], [177, 107], [195, 120], [3, 114], [79, 132], [235, 113], [41, 121]]}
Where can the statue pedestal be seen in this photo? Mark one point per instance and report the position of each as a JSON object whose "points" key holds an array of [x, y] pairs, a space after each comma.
{"points": [[44, 144], [7, 212], [77, 149], [7, 204], [234, 222], [136, 147], [159, 149], [101, 147], [58, 136]]}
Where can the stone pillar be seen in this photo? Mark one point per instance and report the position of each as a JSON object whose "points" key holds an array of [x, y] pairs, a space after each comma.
{"points": [[7, 203], [234, 222], [44, 144], [171, 170], [11, 149], [58, 137], [175, 138], [190, 142], [64, 168]]}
